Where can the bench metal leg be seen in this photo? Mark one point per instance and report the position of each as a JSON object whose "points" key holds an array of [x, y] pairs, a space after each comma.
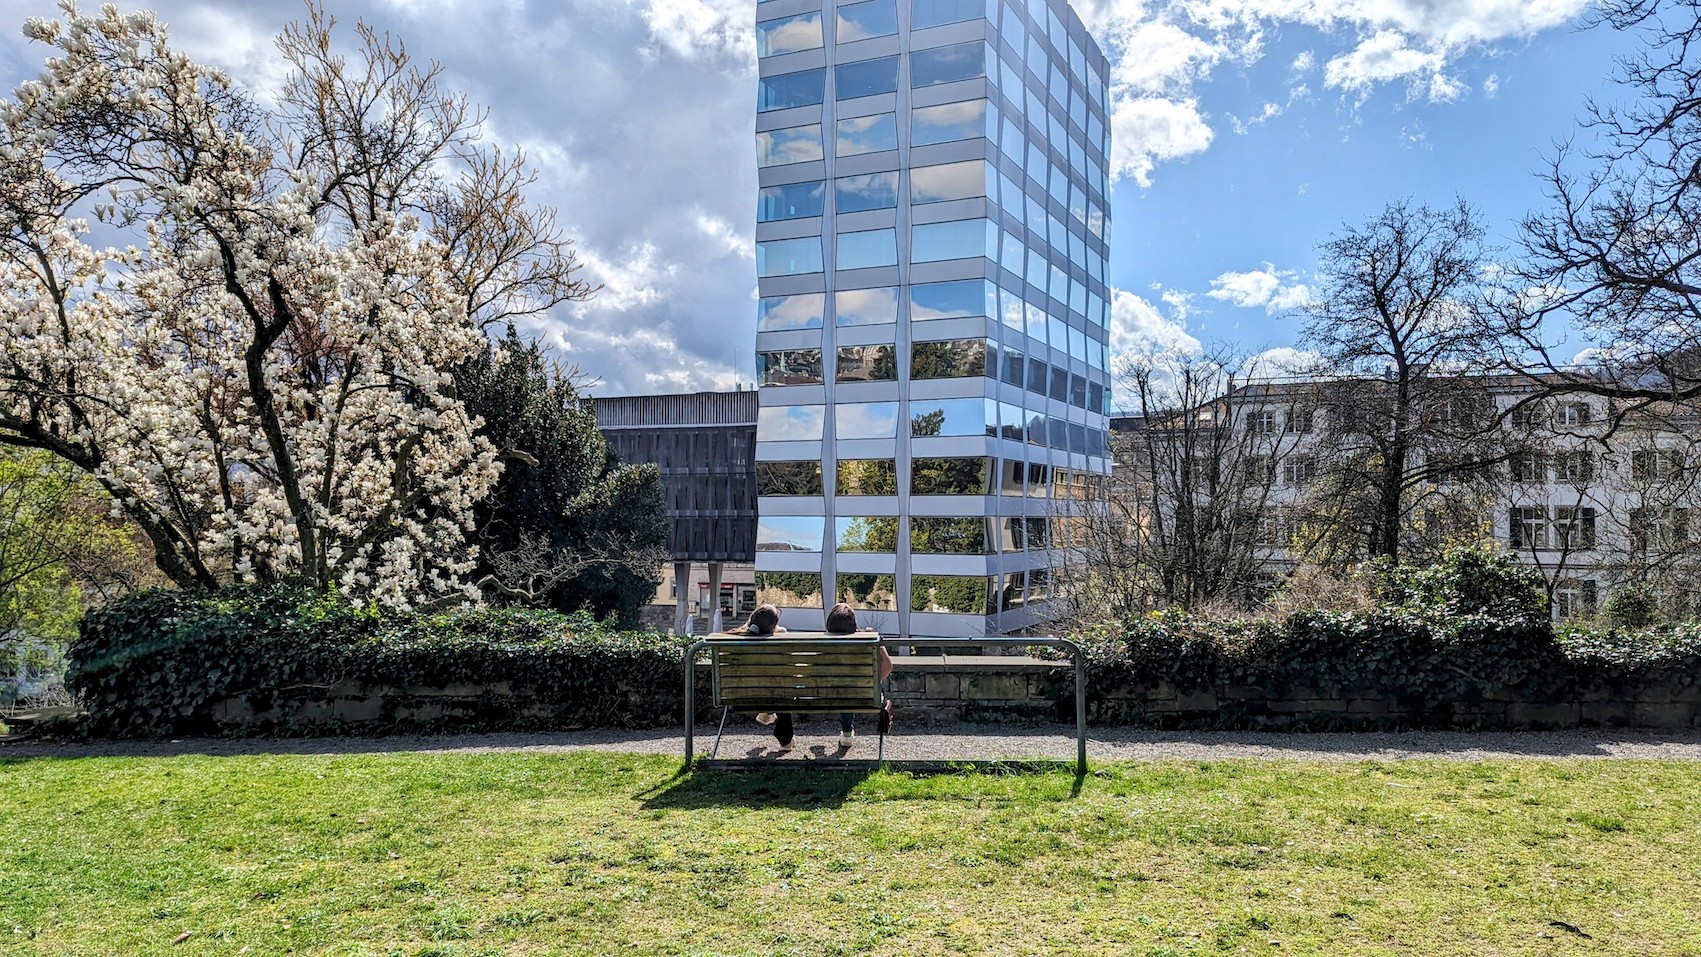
{"points": [[720, 731]]}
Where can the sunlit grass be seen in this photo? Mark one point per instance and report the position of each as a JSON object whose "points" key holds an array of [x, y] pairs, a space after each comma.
{"points": [[597, 853]]}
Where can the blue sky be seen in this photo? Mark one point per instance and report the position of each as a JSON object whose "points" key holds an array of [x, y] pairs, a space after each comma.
{"points": [[1261, 196], [1246, 131]]}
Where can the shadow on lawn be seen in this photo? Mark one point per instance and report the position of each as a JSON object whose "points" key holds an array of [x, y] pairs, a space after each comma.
{"points": [[796, 788], [802, 787]]}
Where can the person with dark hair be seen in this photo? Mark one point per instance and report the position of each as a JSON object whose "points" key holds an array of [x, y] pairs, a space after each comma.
{"points": [[765, 622], [841, 620]]}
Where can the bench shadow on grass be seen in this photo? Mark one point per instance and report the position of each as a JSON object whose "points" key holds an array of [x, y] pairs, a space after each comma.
{"points": [[798, 786]]}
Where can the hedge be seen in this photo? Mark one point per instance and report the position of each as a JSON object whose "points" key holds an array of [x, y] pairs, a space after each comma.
{"points": [[1471, 628], [162, 662]]}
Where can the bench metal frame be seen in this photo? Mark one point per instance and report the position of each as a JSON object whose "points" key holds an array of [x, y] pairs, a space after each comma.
{"points": [[778, 643]]}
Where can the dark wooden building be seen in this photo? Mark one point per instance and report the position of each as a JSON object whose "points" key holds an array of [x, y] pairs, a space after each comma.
{"points": [[705, 446]]}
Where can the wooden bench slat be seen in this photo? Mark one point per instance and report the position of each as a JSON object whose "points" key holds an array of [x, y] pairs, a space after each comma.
{"points": [[794, 685], [782, 671], [755, 658]]}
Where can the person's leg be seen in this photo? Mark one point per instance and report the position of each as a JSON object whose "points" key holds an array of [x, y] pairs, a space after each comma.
{"points": [[847, 722], [783, 729]]}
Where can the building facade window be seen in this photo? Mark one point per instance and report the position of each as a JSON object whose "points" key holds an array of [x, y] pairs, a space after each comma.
{"points": [[866, 134], [796, 144], [865, 78], [790, 35], [866, 307], [789, 90], [863, 21]]}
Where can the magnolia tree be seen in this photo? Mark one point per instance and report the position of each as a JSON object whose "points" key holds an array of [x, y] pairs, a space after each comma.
{"points": [[241, 318]]}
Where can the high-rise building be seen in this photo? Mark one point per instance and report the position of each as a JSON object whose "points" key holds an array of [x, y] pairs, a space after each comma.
{"points": [[931, 245]]}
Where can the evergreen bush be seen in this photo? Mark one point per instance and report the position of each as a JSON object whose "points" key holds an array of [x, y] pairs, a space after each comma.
{"points": [[161, 662]]}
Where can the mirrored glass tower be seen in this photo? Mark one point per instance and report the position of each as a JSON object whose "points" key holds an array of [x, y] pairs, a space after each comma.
{"points": [[931, 246]]}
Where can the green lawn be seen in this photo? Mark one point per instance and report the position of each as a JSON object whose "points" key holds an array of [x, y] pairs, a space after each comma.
{"points": [[587, 853]]}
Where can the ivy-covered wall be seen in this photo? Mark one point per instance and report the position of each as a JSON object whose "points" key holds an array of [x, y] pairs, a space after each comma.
{"points": [[274, 659]]}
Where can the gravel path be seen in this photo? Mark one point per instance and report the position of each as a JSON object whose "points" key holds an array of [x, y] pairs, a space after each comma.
{"points": [[955, 742]]}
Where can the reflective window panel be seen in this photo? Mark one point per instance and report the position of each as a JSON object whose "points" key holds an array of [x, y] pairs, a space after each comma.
{"points": [[867, 249], [791, 201], [956, 476], [870, 533], [802, 311], [865, 78], [789, 589], [788, 478], [859, 21], [789, 35], [788, 257], [866, 477], [790, 423], [866, 364], [795, 367], [960, 61], [866, 307], [947, 122], [796, 144], [790, 533], [805, 88], [867, 134], [865, 420], [950, 359], [932, 535]]}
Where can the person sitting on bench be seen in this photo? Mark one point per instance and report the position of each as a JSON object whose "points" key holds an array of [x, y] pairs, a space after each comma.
{"points": [[842, 621], [765, 622]]}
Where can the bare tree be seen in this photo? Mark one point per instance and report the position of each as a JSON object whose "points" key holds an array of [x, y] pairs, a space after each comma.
{"points": [[1617, 257], [1405, 414], [1181, 521]]}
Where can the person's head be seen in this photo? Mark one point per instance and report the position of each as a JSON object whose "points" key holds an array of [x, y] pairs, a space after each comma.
{"points": [[841, 620], [763, 620]]}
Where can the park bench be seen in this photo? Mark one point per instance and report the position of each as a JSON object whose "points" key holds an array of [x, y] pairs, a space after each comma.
{"points": [[815, 673], [794, 672]]}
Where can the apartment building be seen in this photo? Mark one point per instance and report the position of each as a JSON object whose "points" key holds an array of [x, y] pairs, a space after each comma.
{"points": [[1593, 493]]}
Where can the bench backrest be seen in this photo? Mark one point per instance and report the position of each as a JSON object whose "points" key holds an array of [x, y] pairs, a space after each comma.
{"points": [[790, 673]]}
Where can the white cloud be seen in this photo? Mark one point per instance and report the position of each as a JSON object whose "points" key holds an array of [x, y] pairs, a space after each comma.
{"points": [[1282, 362], [1137, 327], [1383, 57], [1148, 130], [720, 30], [1275, 290], [1491, 86]]}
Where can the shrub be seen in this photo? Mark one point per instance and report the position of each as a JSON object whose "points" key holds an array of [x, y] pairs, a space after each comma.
{"points": [[1631, 605], [165, 661]]}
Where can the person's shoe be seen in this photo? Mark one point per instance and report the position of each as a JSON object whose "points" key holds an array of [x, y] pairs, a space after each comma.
{"points": [[846, 740], [884, 725], [766, 717]]}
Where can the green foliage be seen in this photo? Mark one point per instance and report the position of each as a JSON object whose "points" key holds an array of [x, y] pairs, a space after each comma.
{"points": [[1469, 628], [1469, 580], [163, 661], [59, 547], [1631, 605], [567, 526]]}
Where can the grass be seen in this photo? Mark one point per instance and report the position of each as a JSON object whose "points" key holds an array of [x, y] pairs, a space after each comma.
{"points": [[595, 853]]}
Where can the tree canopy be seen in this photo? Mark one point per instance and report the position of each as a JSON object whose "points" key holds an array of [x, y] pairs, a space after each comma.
{"points": [[242, 321]]}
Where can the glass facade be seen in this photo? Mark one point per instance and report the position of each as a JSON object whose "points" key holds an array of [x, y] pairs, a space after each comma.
{"points": [[932, 239]]}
